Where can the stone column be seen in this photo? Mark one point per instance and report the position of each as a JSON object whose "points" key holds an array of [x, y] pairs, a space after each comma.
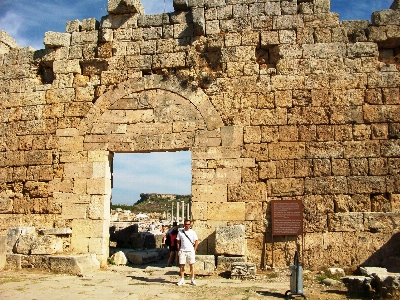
{"points": [[177, 212], [183, 211], [172, 212], [188, 211]]}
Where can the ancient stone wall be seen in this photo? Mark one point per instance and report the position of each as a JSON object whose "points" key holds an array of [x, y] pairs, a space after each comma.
{"points": [[276, 100]]}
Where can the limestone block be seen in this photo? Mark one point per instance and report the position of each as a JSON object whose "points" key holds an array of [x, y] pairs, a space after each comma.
{"points": [[209, 193], [324, 150], [78, 170], [384, 79], [142, 257], [89, 24], [395, 202], [47, 244], [180, 5], [203, 176], [3, 251], [74, 210], [227, 176], [118, 7], [248, 192], [204, 265], [56, 231], [74, 264], [215, 152], [232, 136], [326, 185], [99, 207], [276, 116], [254, 211], [58, 185], [252, 134], [286, 150], [6, 39], [6, 201], [66, 66], [232, 211], [288, 22], [55, 96], [69, 198], [99, 246], [199, 210], [24, 244], [119, 258], [386, 17], [230, 240], [353, 149], [101, 170], [245, 270], [381, 222], [286, 187], [257, 151], [362, 49], [99, 186], [89, 228], [199, 22], [224, 263], [56, 39], [73, 26], [14, 233], [346, 222], [267, 170]]}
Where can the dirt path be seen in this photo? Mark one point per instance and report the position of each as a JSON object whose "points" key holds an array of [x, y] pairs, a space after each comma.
{"points": [[154, 282]]}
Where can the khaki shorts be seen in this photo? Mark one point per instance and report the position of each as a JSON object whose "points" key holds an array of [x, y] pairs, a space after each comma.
{"points": [[187, 257]]}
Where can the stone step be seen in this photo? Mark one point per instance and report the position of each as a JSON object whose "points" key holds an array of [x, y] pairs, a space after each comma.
{"points": [[70, 264]]}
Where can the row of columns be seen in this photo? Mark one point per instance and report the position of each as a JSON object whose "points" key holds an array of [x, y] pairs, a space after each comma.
{"points": [[180, 212]]}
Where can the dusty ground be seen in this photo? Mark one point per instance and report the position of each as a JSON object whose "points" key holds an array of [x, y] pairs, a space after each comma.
{"points": [[155, 282]]}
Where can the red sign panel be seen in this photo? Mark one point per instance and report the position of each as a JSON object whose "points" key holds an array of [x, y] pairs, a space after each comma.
{"points": [[287, 217]]}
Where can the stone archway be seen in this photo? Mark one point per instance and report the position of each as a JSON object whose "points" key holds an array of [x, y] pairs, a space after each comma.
{"points": [[153, 113]]}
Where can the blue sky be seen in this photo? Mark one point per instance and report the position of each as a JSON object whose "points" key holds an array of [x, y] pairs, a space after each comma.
{"points": [[28, 20]]}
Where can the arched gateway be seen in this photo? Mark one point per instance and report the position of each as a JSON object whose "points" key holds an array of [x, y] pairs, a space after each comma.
{"points": [[148, 114]]}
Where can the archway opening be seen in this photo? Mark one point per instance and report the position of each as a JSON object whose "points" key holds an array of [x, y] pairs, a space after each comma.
{"points": [[149, 190]]}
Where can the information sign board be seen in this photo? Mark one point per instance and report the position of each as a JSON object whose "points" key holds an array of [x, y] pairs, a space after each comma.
{"points": [[287, 217]]}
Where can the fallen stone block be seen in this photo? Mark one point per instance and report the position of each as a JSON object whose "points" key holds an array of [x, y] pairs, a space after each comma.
{"points": [[142, 257], [230, 240], [119, 258], [243, 270], [205, 265], [358, 285], [142, 240], [74, 264], [224, 263], [14, 233]]}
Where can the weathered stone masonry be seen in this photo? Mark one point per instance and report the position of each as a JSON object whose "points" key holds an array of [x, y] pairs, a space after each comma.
{"points": [[275, 100]]}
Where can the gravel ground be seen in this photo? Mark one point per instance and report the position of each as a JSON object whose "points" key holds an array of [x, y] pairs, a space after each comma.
{"points": [[155, 282]]}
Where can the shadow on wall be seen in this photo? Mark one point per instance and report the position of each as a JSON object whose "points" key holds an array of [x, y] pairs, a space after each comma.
{"points": [[207, 245], [388, 256]]}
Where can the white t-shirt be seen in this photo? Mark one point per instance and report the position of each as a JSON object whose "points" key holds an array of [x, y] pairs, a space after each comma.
{"points": [[187, 245]]}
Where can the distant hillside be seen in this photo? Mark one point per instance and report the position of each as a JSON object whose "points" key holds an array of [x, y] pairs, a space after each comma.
{"points": [[154, 203]]}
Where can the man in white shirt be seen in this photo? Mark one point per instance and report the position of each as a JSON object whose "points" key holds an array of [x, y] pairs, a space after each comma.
{"points": [[187, 246]]}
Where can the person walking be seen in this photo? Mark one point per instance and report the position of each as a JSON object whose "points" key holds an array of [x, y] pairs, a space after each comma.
{"points": [[171, 242], [187, 245]]}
